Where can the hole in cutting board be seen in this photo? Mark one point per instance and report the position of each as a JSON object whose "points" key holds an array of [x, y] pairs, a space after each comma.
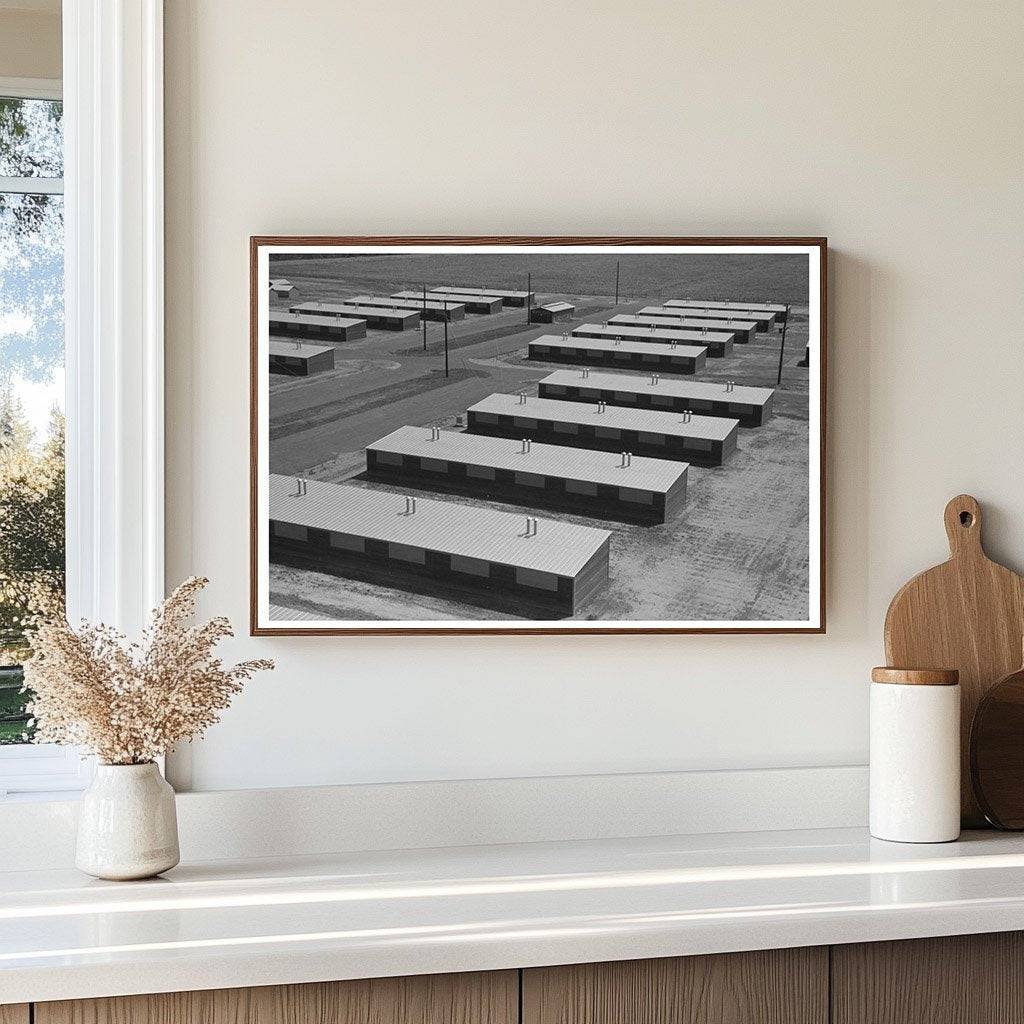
{"points": [[966, 519]]}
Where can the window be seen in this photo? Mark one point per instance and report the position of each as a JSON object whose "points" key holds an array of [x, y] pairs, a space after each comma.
{"points": [[480, 472], [471, 566], [289, 531], [530, 479], [581, 487], [537, 579], [32, 563], [387, 458], [110, 348], [407, 553], [635, 495], [347, 542]]}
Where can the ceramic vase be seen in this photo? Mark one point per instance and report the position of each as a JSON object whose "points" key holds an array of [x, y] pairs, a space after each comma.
{"points": [[127, 825]]}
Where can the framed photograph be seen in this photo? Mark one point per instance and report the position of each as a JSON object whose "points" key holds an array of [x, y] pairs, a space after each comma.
{"points": [[537, 435]]}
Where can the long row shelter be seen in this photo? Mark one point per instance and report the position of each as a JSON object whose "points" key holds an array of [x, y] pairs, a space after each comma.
{"points": [[777, 309], [359, 532], [744, 330], [705, 440], [473, 303], [537, 475], [508, 297], [626, 355], [751, 406], [430, 310], [388, 319], [718, 344], [298, 359], [326, 328], [762, 320]]}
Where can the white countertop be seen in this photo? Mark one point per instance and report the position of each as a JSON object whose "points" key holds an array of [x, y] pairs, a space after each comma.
{"points": [[261, 922]]}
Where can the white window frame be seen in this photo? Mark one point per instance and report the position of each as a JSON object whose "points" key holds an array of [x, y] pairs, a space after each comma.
{"points": [[114, 323]]}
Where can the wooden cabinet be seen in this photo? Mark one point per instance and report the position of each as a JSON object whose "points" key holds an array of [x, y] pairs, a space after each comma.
{"points": [[972, 979], [778, 986], [490, 998], [963, 979]]}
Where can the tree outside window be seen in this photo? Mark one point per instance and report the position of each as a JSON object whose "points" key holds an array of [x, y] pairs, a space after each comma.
{"points": [[31, 387]]}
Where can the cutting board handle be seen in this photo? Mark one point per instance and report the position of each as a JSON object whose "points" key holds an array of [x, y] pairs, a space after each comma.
{"points": [[963, 526]]}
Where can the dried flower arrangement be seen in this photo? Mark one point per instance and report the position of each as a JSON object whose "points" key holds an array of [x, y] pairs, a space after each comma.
{"points": [[129, 703]]}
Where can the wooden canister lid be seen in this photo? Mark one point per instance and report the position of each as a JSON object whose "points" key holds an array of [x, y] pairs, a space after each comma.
{"points": [[916, 676]]}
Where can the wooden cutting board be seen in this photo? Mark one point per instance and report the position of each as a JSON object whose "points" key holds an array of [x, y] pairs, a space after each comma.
{"points": [[967, 614]]}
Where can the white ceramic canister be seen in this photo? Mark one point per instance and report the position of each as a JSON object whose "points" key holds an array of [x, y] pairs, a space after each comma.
{"points": [[915, 755], [127, 825]]}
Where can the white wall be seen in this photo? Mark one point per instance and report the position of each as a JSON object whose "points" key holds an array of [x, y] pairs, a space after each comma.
{"points": [[895, 129]]}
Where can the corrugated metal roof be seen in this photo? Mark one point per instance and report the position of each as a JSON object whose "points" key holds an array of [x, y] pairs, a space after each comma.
{"points": [[680, 388], [450, 296], [691, 329], [498, 292], [341, 307], [450, 527], [770, 307], [297, 348], [556, 307], [277, 316], [391, 302], [639, 333], [666, 312], [719, 313], [547, 459], [714, 428]]}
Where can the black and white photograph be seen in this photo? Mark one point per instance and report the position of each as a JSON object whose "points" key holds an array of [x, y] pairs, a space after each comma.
{"points": [[558, 435]]}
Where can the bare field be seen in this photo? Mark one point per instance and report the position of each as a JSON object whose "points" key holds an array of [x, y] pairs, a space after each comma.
{"points": [[772, 277], [738, 551]]}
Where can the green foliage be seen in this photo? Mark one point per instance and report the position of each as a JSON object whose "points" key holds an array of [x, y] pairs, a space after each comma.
{"points": [[31, 546]]}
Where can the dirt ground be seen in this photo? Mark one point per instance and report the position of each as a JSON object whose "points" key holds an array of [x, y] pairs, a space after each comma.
{"points": [[738, 551]]}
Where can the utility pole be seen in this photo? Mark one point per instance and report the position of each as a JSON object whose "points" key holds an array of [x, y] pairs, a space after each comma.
{"points": [[424, 316], [445, 337], [782, 347], [616, 282], [529, 300]]}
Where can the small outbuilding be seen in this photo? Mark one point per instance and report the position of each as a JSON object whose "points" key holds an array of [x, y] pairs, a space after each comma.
{"points": [[549, 312]]}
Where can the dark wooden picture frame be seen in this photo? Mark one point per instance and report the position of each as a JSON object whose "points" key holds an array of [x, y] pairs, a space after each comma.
{"points": [[816, 488]]}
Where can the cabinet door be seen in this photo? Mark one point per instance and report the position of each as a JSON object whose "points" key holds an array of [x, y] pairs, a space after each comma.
{"points": [[779, 986], [482, 998], [14, 1013], [962, 979]]}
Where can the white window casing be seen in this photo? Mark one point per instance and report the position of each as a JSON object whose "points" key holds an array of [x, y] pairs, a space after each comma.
{"points": [[114, 313]]}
